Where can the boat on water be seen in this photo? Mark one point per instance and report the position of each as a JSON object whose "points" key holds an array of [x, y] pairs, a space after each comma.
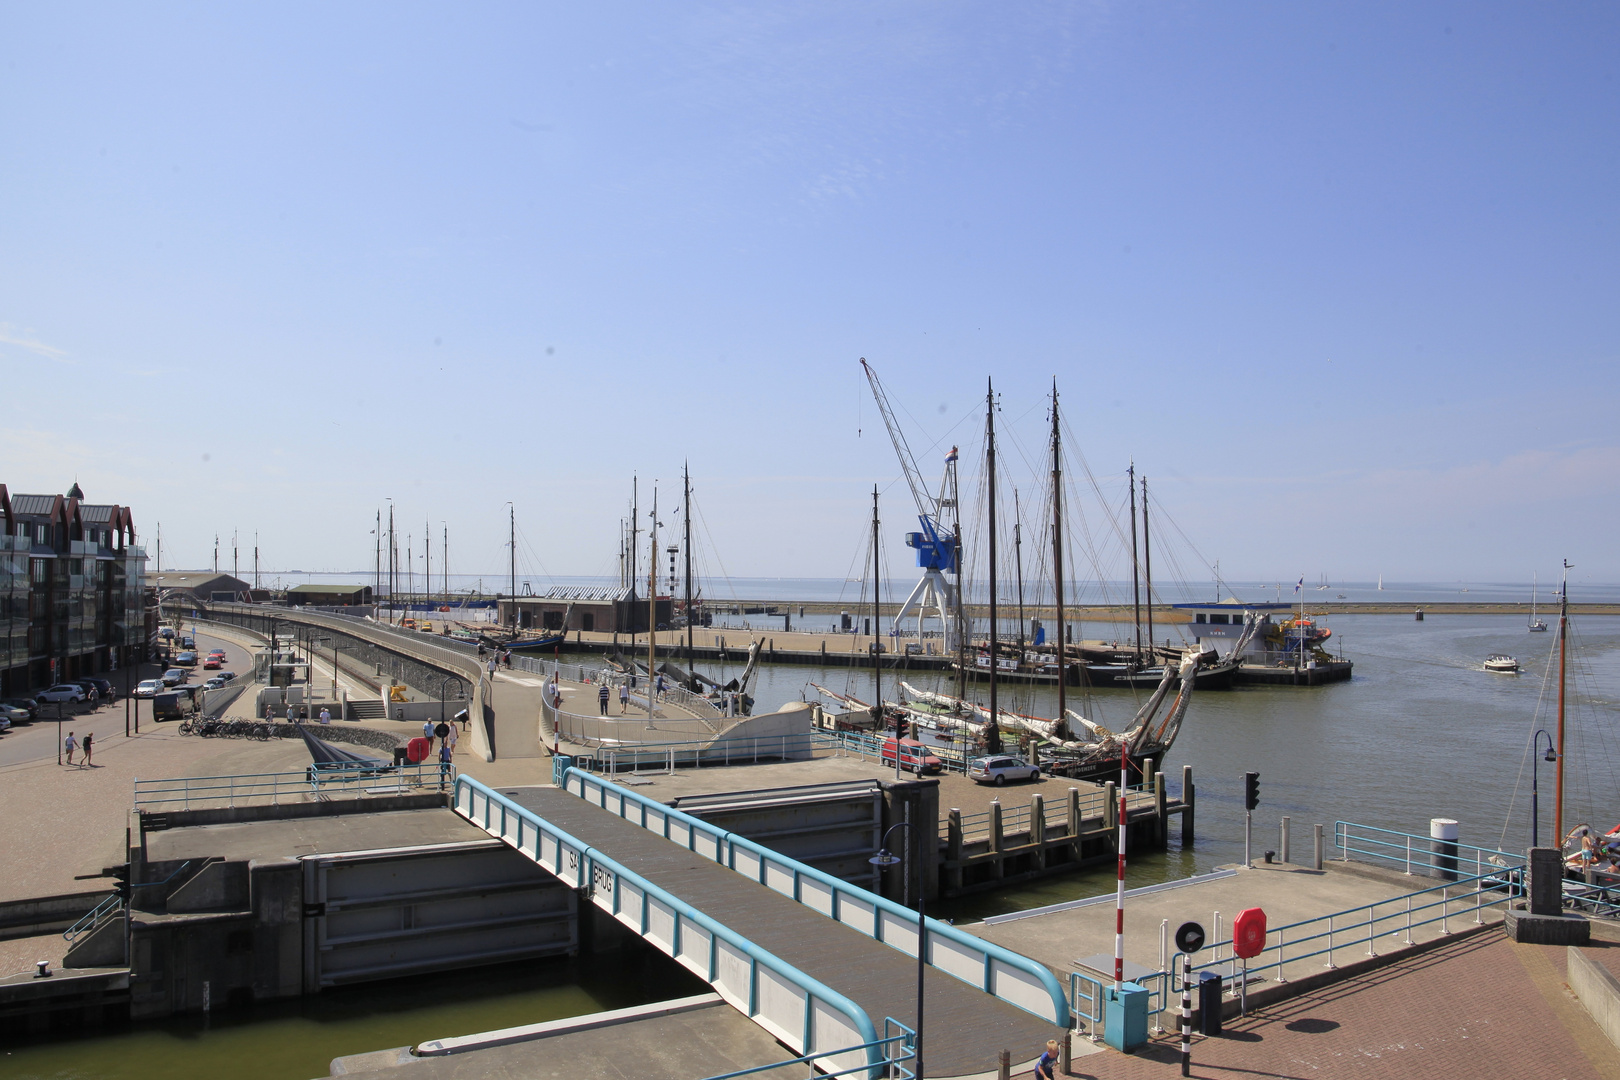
{"points": [[1502, 664], [1536, 625]]}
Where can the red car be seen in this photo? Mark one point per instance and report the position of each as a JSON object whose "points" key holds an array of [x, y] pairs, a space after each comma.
{"points": [[213, 662]]}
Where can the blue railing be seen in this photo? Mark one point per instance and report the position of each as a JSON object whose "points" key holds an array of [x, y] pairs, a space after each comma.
{"points": [[1408, 850], [93, 919], [992, 968], [812, 1017], [898, 1046]]}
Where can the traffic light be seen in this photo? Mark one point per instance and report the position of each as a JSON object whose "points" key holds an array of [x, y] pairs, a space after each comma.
{"points": [[1251, 790], [120, 875]]}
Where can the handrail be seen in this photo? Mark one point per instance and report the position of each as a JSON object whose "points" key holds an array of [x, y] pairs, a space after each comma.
{"points": [[973, 960], [92, 919], [895, 1061], [1402, 850], [310, 780], [583, 870]]}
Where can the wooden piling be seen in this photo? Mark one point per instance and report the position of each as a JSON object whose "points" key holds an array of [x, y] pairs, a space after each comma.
{"points": [[1188, 794]]}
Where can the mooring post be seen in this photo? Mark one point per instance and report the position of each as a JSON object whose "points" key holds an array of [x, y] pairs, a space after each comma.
{"points": [[1283, 841], [995, 825], [1188, 794], [1110, 807], [1316, 858], [1037, 827], [1004, 1066], [1158, 806], [953, 834]]}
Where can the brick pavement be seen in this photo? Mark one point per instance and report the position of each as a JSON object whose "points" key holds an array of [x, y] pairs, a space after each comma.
{"points": [[1481, 1008]]}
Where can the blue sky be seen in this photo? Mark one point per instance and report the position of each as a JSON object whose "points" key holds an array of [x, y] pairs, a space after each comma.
{"points": [[1339, 278]]}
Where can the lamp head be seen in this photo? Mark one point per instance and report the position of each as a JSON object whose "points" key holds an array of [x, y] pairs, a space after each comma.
{"points": [[883, 858], [1551, 754]]}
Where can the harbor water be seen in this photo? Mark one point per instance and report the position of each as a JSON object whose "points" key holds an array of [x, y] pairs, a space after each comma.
{"points": [[1420, 732]]}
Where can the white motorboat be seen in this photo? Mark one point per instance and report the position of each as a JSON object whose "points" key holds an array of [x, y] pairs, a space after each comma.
{"points": [[1501, 663]]}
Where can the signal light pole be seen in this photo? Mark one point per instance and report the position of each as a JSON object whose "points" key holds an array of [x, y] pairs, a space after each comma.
{"points": [[1251, 799]]}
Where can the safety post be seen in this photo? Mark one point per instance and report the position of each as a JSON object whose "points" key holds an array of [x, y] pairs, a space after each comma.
{"points": [[1186, 1015]]}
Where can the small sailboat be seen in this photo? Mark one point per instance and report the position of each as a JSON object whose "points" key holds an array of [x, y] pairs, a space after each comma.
{"points": [[1536, 625]]}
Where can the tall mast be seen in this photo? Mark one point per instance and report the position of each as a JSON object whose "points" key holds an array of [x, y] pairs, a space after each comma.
{"points": [[686, 545], [993, 741], [511, 544], [1136, 577], [427, 561], [877, 632], [1147, 565], [256, 559], [635, 525], [234, 572], [445, 562], [1563, 640], [393, 563], [652, 602], [377, 594], [1018, 560], [1057, 557]]}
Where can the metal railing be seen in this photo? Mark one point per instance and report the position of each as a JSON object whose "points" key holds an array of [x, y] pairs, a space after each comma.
{"points": [[898, 1046], [1016, 819], [992, 968], [726, 750], [317, 782], [1408, 850], [95, 917], [596, 674], [871, 746], [623, 730], [797, 1008]]}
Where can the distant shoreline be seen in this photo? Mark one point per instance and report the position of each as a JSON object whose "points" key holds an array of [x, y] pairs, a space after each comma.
{"points": [[1166, 615]]}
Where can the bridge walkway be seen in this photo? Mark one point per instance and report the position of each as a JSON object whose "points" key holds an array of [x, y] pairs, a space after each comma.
{"points": [[965, 1029]]}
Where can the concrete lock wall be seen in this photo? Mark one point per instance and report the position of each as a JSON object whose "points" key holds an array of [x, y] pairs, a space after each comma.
{"points": [[233, 932]]}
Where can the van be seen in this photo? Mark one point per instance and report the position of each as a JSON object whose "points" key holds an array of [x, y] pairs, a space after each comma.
{"points": [[176, 704], [914, 758]]}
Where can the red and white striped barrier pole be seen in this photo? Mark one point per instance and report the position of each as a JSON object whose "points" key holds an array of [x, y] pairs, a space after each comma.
{"points": [[1119, 891]]}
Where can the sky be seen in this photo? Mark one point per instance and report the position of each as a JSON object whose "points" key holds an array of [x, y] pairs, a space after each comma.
{"points": [[1340, 279]]}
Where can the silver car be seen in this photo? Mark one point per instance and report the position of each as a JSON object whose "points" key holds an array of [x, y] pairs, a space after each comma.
{"points": [[998, 770], [62, 692]]}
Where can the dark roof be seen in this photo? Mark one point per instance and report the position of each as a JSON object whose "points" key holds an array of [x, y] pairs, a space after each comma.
{"points": [[312, 587], [75, 492], [35, 505], [97, 513], [578, 592]]}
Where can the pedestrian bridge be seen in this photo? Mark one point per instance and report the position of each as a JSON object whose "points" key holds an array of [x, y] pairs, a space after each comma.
{"points": [[817, 962]]}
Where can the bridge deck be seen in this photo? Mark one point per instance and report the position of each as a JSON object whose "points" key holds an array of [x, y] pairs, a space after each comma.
{"points": [[964, 1030]]}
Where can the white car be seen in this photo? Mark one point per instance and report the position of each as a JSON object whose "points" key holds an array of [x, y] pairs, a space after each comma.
{"points": [[10, 714], [62, 692], [998, 770], [213, 684], [148, 688]]}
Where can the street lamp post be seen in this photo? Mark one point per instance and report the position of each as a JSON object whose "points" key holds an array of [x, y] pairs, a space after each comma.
{"points": [[1535, 769], [442, 684], [885, 859]]}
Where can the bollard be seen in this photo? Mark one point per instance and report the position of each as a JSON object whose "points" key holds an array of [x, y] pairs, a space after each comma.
{"points": [[1316, 858], [1443, 844], [1286, 829], [1004, 1066], [1066, 1054]]}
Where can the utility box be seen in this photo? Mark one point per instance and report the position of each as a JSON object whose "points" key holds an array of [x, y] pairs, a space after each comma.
{"points": [[1210, 1003], [1125, 1016]]}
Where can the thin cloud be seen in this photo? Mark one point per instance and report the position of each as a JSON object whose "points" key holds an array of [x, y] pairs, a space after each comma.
{"points": [[10, 335]]}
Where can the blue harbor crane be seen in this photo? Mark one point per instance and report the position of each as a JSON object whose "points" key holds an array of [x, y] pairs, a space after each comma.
{"points": [[937, 543]]}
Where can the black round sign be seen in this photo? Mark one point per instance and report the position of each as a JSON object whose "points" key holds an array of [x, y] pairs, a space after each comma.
{"points": [[1189, 937]]}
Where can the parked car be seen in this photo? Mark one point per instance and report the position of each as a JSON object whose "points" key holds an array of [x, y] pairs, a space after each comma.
{"points": [[914, 757], [186, 659], [107, 689], [92, 692], [188, 642], [5, 724], [166, 633], [176, 704], [27, 705], [12, 715], [998, 770], [148, 688], [174, 677], [69, 692], [226, 675], [212, 663]]}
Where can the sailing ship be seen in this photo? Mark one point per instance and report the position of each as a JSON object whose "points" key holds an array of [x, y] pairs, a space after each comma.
{"points": [[1536, 625]]}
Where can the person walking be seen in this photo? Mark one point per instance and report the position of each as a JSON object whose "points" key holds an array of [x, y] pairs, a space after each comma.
{"points": [[453, 738], [269, 714], [427, 730], [70, 744], [506, 658], [292, 713], [1046, 1065], [659, 685], [602, 695], [624, 697], [89, 737], [444, 766]]}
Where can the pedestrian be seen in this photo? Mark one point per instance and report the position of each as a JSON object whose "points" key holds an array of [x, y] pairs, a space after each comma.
{"points": [[326, 715], [269, 714], [292, 713], [444, 766], [70, 744], [659, 686], [427, 730], [89, 737], [1046, 1066], [602, 696], [624, 697], [454, 738], [506, 658], [442, 731]]}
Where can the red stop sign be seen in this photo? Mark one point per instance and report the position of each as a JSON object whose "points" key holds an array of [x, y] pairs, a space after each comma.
{"points": [[418, 749], [1249, 933]]}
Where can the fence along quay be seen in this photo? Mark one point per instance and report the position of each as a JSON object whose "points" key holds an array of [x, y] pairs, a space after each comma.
{"points": [[810, 958]]}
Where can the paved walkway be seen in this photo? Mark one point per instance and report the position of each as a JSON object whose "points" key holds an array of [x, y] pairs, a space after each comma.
{"points": [[965, 1027], [1480, 1008]]}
